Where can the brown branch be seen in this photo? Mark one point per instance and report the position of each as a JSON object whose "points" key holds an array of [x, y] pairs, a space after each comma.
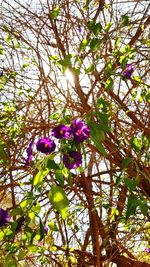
{"points": [[130, 113], [122, 261], [94, 219], [139, 32]]}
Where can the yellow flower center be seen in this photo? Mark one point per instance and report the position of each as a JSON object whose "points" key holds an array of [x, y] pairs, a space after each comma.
{"points": [[46, 145], [61, 132], [80, 132]]}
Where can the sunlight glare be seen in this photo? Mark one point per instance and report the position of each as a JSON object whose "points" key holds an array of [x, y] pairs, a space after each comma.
{"points": [[69, 76]]}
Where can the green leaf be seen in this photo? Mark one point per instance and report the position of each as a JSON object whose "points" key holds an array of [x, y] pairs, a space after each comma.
{"points": [[114, 213], [16, 211], [38, 179], [100, 148], [21, 255], [123, 60], [59, 200], [96, 131], [83, 44], [132, 204], [66, 62], [51, 164], [137, 79], [9, 261], [36, 208], [25, 65], [25, 203], [125, 20], [104, 121], [108, 26], [87, 4], [1, 235], [126, 162], [32, 248], [8, 39], [109, 84], [53, 58], [94, 27], [117, 42], [76, 71], [2, 52], [32, 235], [109, 69], [102, 104], [41, 229], [143, 207], [90, 68], [131, 184], [55, 12], [59, 177], [3, 154], [119, 180], [17, 45], [97, 136], [136, 144], [54, 116], [52, 225], [95, 44], [66, 172]]}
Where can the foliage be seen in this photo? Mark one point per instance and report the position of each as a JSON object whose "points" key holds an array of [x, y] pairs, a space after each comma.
{"points": [[84, 63]]}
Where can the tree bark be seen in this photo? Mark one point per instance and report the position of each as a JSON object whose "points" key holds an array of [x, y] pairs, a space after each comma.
{"points": [[122, 261]]}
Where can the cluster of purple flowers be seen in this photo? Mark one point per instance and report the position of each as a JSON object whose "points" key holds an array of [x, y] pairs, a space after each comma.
{"points": [[4, 217], [78, 130], [72, 160], [147, 250], [127, 72], [29, 153], [20, 222], [45, 145], [45, 229]]}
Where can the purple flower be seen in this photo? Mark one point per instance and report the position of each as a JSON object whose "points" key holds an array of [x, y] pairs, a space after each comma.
{"points": [[147, 250], [45, 229], [20, 222], [61, 131], [45, 145], [4, 217], [79, 29], [81, 131], [29, 153], [72, 160], [1, 73], [127, 72]]}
